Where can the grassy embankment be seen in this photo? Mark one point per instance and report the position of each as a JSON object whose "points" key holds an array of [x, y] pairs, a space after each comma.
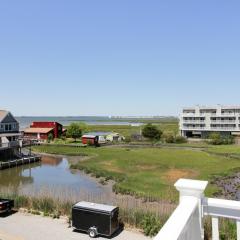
{"points": [[149, 172]]}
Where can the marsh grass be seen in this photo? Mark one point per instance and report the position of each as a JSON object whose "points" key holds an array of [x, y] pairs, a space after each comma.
{"points": [[227, 229], [133, 212], [144, 172]]}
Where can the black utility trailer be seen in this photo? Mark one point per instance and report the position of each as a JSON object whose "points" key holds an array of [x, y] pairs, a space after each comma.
{"points": [[95, 219], [6, 205]]}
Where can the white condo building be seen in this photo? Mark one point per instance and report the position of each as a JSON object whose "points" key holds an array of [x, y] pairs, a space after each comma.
{"points": [[200, 121]]}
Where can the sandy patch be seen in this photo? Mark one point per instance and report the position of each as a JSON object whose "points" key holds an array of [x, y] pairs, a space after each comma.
{"points": [[173, 175], [111, 167], [145, 167]]}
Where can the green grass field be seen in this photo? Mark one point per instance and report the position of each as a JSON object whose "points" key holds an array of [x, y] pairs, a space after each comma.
{"points": [[148, 172], [165, 125], [225, 149]]}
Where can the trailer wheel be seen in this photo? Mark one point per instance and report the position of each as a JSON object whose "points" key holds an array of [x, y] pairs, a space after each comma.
{"points": [[92, 232]]}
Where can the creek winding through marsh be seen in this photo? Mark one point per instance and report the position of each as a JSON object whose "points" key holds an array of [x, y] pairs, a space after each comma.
{"points": [[52, 177]]}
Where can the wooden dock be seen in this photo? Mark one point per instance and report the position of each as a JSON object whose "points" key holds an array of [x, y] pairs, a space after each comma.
{"points": [[18, 162]]}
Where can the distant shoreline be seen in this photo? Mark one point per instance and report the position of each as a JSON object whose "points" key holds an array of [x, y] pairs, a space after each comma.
{"points": [[25, 121]]}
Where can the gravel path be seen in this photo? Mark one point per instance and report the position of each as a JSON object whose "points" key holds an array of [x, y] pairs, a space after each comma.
{"points": [[23, 226]]}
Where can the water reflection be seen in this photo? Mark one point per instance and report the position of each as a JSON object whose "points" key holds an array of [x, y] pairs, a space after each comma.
{"points": [[52, 176], [14, 177], [52, 161]]}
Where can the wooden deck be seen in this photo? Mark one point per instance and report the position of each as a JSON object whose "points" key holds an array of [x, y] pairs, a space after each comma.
{"points": [[18, 162]]}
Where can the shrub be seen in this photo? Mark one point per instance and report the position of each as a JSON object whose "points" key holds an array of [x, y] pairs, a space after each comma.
{"points": [[50, 137], [169, 138], [180, 139], [228, 140], [127, 139], [63, 138], [151, 225], [215, 139]]}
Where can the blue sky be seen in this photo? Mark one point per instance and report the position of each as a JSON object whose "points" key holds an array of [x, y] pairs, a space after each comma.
{"points": [[126, 57]]}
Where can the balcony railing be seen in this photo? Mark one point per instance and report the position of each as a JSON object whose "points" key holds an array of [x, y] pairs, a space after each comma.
{"points": [[193, 128], [224, 128], [223, 121], [9, 144], [186, 222], [193, 121]]}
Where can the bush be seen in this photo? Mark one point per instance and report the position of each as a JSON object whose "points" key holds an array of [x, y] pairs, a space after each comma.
{"points": [[151, 225], [215, 139], [180, 139], [169, 138], [50, 137], [228, 140], [127, 139]]}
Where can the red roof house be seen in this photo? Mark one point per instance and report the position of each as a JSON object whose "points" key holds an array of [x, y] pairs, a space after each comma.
{"points": [[41, 130]]}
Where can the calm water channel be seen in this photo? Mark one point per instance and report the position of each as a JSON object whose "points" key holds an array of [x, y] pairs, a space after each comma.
{"points": [[52, 177]]}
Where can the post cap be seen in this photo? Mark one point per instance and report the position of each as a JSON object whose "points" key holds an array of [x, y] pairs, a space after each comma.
{"points": [[191, 184], [190, 187]]}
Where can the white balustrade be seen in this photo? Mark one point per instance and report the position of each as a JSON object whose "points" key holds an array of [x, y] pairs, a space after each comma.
{"points": [[186, 221]]}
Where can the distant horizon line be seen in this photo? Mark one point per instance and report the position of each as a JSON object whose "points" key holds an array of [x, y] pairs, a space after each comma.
{"points": [[104, 116]]}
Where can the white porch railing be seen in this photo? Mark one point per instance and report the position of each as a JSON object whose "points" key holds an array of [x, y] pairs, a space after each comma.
{"points": [[186, 221], [9, 144]]}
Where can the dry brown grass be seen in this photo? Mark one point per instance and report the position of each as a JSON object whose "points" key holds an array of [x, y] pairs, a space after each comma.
{"points": [[172, 175], [112, 167]]}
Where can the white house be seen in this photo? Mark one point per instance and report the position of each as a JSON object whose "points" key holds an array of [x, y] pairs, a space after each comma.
{"points": [[200, 121], [9, 130]]}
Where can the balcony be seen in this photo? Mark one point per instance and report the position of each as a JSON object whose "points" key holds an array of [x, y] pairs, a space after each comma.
{"points": [[223, 121], [193, 121], [186, 222], [193, 128], [8, 145], [224, 128]]}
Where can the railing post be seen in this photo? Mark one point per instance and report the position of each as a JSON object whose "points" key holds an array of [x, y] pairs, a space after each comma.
{"points": [[193, 188], [215, 228], [238, 229]]}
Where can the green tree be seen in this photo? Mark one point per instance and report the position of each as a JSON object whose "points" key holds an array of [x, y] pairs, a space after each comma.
{"points": [[74, 131], [50, 137], [83, 126], [151, 132]]}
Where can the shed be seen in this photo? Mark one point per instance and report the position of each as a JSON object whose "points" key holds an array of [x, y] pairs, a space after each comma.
{"points": [[90, 139]]}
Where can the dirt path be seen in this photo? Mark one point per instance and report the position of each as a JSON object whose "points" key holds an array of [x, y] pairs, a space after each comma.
{"points": [[22, 226]]}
